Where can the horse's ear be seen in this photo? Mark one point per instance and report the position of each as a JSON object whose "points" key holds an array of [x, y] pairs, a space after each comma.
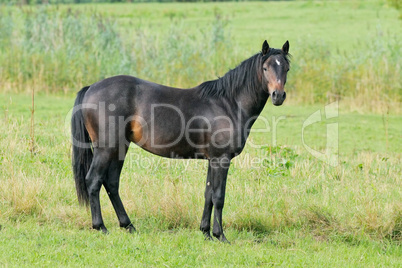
{"points": [[265, 48], [285, 47]]}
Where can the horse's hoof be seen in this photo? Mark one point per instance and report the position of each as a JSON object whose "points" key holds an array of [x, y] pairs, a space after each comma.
{"points": [[224, 240], [101, 228], [208, 237], [131, 229]]}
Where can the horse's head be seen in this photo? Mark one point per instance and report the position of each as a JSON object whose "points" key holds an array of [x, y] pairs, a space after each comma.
{"points": [[275, 68]]}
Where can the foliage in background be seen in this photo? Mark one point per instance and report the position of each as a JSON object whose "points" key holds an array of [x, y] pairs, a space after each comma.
{"points": [[63, 50], [54, 49], [367, 76]]}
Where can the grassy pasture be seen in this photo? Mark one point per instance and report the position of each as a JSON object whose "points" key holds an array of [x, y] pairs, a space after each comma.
{"points": [[283, 206]]}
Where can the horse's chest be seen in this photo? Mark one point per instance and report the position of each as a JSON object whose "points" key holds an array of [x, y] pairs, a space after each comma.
{"points": [[227, 136]]}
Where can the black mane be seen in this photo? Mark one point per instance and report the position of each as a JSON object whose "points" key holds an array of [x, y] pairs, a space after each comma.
{"points": [[242, 78]]}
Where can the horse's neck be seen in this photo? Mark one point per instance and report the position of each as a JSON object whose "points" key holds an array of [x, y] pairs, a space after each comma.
{"points": [[252, 107]]}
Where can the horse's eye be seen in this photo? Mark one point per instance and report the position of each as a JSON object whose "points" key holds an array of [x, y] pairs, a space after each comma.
{"points": [[265, 69]]}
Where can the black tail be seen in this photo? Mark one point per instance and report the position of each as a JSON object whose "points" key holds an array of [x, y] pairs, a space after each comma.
{"points": [[82, 151]]}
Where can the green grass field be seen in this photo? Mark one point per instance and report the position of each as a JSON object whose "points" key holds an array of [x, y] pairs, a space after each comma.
{"points": [[340, 25], [284, 207]]}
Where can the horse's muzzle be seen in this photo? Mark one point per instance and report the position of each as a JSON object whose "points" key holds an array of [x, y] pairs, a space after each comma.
{"points": [[278, 97]]}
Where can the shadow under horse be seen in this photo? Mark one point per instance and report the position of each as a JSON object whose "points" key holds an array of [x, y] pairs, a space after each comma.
{"points": [[210, 121]]}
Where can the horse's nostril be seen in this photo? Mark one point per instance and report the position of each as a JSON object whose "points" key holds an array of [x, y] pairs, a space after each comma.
{"points": [[274, 94], [284, 95]]}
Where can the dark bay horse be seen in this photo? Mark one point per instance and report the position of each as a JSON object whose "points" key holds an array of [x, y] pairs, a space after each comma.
{"points": [[211, 121]]}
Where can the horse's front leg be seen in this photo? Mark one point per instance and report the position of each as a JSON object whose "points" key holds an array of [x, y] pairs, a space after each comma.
{"points": [[205, 226], [219, 172]]}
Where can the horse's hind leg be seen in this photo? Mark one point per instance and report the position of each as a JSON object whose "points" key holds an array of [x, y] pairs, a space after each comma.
{"points": [[111, 184], [94, 180]]}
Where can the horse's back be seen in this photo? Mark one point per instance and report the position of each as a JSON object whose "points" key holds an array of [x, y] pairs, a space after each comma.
{"points": [[130, 87], [112, 86]]}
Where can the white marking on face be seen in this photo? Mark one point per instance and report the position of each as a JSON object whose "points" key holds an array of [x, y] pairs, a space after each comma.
{"points": [[278, 62], [279, 81]]}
